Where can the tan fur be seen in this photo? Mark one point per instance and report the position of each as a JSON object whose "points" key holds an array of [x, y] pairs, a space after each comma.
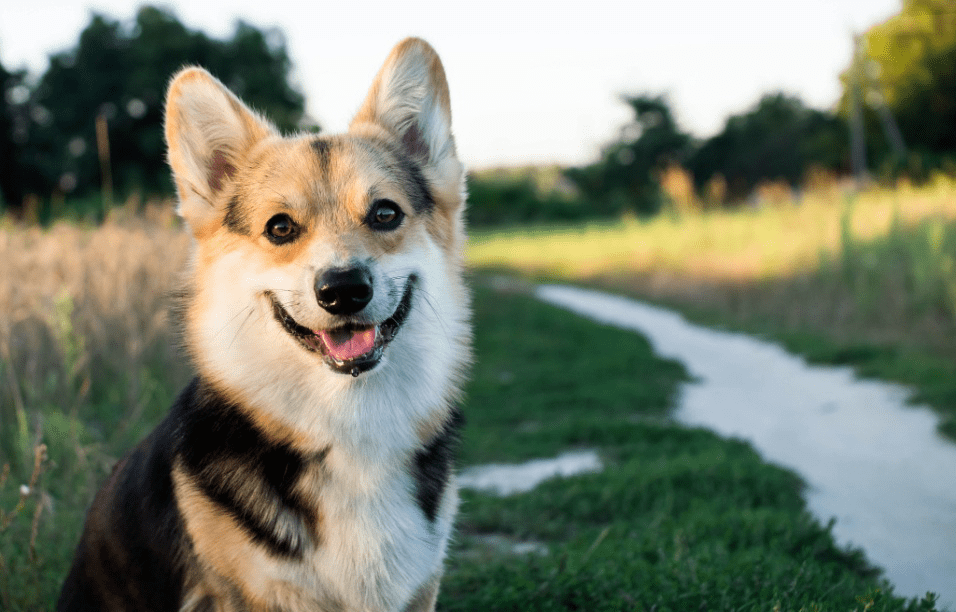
{"points": [[232, 561], [227, 551]]}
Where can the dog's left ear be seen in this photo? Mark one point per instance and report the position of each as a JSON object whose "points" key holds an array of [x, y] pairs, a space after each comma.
{"points": [[409, 99]]}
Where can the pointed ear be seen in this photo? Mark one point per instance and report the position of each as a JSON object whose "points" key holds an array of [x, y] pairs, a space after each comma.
{"points": [[208, 131], [409, 99]]}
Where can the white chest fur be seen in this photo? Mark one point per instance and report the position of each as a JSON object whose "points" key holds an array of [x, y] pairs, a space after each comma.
{"points": [[376, 548]]}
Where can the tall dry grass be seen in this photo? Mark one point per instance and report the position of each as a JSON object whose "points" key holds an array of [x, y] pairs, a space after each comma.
{"points": [[85, 316], [88, 364]]}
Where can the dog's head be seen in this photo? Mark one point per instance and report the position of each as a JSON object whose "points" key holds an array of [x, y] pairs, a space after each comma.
{"points": [[330, 257]]}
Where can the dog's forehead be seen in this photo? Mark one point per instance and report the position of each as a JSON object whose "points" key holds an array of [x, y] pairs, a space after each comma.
{"points": [[378, 166], [345, 171], [334, 178]]}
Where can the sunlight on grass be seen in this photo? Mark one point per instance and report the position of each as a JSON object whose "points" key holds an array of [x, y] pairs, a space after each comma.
{"points": [[868, 280], [738, 245]]}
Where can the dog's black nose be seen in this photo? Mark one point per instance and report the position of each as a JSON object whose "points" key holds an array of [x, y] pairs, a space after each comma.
{"points": [[344, 291]]}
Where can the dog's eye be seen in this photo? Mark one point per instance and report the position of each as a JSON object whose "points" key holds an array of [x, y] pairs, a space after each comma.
{"points": [[281, 229], [384, 216]]}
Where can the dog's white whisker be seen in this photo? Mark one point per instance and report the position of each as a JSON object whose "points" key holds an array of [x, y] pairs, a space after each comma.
{"points": [[230, 321], [427, 298], [243, 324]]}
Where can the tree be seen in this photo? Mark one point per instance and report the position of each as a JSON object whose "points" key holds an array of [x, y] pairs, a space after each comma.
{"points": [[908, 67], [119, 71], [626, 175], [778, 139], [8, 171]]}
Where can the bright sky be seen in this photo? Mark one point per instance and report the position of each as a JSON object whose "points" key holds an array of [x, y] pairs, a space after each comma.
{"points": [[531, 82]]}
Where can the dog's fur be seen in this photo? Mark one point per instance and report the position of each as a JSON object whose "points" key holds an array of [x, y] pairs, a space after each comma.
{"points": [[297, 472]]}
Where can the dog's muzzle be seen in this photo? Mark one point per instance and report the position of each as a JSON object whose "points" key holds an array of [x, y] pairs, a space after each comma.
{"points": [[352, 348]]}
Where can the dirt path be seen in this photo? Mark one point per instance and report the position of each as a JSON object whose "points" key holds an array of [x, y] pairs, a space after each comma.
{"points": [[872, 461]]}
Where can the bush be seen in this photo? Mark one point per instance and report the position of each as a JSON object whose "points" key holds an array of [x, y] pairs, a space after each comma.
{"points": [[501, 198]]}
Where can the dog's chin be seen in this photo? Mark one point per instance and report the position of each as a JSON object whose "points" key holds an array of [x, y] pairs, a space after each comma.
{"points": [[352, 348]]}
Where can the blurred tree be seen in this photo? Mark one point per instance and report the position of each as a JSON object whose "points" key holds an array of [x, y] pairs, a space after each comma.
{"points": [[626, 177], [9, 187], [780, 138], [908, 67], [521, 195], [15, 168], [119, 71]]}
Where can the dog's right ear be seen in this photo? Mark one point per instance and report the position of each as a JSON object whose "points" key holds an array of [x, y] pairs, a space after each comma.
{"points": [[208, 131], [409, 99]]}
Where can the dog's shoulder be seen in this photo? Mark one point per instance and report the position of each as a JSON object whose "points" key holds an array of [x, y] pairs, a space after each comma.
{"points": [[253, 475]]}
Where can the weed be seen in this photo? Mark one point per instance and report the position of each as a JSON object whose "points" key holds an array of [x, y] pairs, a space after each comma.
{"points": [[25, 493]]}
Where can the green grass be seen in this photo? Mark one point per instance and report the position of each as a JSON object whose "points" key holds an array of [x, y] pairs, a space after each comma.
{"points": [[680, 519]]}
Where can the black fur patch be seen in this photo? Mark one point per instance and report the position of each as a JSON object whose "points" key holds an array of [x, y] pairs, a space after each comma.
{"points": [[433, 463], [235, 219], [322, 148], [206, 604], [250, 476], [416, 186], [407, 171]]}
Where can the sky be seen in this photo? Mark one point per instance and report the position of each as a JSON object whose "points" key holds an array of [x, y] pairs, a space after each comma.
{"points": [[531, 82]]}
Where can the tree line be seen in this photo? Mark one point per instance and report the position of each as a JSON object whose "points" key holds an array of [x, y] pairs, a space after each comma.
{"points": [[116, 78], [900, 89], [779, 139]]}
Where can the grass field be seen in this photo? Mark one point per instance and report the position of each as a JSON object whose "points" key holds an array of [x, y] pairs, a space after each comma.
{"points": [[678, 520], [867, 280]]}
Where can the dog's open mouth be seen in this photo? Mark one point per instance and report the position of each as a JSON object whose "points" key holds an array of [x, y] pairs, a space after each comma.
{"points": [[351, 348]]}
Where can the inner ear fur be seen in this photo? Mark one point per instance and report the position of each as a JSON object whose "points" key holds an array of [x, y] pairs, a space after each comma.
{"points": [[409, 99], [208, 131]]}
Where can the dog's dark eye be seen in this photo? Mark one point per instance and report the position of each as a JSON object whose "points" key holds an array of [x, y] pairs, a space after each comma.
{"points": [[281, 229], [384, 216]]}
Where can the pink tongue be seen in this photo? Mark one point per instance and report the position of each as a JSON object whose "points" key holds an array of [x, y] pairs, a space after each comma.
{"points": [[345, 345]]}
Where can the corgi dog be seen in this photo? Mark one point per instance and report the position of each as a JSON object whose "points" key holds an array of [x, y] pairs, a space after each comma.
{"points": [[309, 464]]}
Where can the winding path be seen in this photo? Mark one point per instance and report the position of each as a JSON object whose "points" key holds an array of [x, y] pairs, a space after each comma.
{"points": [[872, 461]]}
